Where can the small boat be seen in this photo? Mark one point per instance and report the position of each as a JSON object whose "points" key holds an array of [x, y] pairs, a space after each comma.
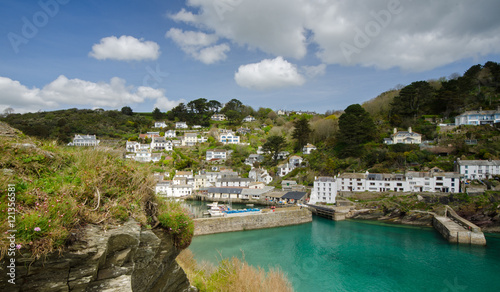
{"points": [[250, 205], [212, 205], [216, 213]]}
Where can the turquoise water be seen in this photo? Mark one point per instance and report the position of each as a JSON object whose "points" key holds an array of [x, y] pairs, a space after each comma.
{"points": [[361, 256]]}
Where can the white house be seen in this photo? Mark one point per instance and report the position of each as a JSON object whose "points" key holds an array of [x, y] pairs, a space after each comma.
{"points": [[167, 189], [84, 140], [308, 148], [477, 169], [181, 125], [285, 169], [324, 190], [260, 175], [295, 160], [132, 146], [145, 155], [170, 134], [158, 143], [252, 158], [404, 137], [229, 138], [189, 139], [163, 189], [218, 117], [478, 117], [216, 154], [248, 119], [159, 124]]}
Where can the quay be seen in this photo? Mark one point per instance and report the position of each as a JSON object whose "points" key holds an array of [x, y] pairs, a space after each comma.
{"points": [[266, 219], [458, 230]]}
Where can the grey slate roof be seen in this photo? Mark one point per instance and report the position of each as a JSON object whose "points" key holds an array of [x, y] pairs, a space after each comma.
{"points": [[294, 195]]}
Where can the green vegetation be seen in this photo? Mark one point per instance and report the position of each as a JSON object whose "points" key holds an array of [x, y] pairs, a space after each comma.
{"points": [[232, 275], [60, 189]]}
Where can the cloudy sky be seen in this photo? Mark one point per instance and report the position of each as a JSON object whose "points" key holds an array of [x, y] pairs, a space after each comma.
{"points": [[284, 54]]}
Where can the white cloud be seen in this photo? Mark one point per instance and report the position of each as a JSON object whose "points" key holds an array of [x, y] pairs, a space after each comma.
{"points": [[165, 104], [75, 93], [313, 71], [213, 54], [125, 48], [412, 35], [268, 74], [199, 45]]}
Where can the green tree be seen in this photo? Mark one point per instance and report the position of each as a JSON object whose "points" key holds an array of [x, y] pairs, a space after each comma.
{"points": [[157, 114], [274, 145], [301, 133], [356, 128], [126, 110]]}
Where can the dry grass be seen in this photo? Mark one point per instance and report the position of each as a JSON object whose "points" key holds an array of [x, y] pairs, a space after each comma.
{"points": [[232, 275]]}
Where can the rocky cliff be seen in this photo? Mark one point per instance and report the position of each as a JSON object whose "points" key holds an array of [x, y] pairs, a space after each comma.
{"points": [[122, 258]]}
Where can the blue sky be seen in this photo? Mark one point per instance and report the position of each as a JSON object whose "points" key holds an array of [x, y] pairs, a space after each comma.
{"points": [[295, 54]]}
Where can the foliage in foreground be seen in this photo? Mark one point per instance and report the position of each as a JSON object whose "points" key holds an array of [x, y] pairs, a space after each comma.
{"points": [[232, 275], [58, 190]]}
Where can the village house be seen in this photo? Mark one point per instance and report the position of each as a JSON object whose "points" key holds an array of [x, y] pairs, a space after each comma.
{"points": [[477, 169], [189, 139], [404, 137], [248, 119], [294, 197], [256, 185], [158, 143], [170, 134], [252, 158], [163, 188], [308, 148], [160, 124], [260, 175], [84, 140], [295, 160], [216, 154], [479, 117], [181, 125], [324, 190], [149, 135], [229, 138], [243, 131], [274, 196], [233, 182], [284, 169], [255, 193], [218, 117], [224, 193]]}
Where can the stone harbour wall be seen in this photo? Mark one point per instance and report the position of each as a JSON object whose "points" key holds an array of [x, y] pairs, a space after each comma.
{"points": [[257, 221]]}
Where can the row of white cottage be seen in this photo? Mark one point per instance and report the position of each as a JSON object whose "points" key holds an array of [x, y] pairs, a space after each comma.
{"points": [[325, 188]]}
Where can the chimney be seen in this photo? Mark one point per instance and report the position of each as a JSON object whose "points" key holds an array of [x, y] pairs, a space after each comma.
{"points": [[395, 130], [409, 129]]}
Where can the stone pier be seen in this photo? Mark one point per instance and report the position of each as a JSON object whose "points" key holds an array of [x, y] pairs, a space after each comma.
{"points": [[458, 230]]}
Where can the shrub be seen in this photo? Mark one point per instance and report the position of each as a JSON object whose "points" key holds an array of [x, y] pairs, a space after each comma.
{"points": [[176, 221]]}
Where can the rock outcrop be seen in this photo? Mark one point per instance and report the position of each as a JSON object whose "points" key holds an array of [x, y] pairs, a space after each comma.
{"points": [[123, 258]]}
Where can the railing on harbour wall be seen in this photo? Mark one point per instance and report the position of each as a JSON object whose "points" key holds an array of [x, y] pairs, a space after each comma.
{"points": [[450, 213]]}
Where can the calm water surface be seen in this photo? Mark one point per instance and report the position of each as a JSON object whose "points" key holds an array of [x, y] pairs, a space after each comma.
{"points": [[361, 256]]}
